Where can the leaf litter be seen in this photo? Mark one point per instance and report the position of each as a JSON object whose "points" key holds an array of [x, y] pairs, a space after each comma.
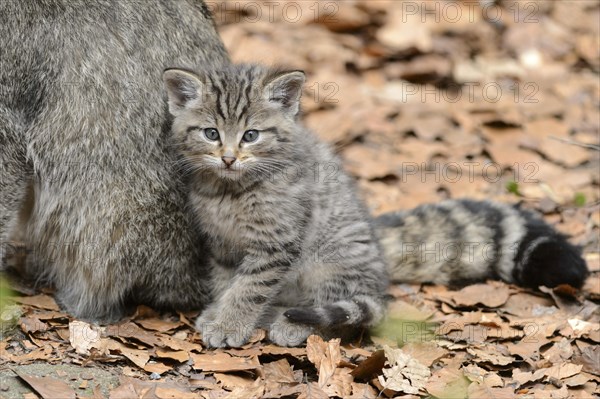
{"points": [[380, 87]]}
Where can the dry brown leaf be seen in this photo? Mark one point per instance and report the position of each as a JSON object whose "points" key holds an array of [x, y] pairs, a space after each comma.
{"points": [[590, 359], [84, 336], [528, 346], [483, 391], [131, 330], [558, 371], [180, 356], [491, 295], [137, 357], [481, 376], [32, 324], [559, 352], [340, 384], [173, 393], [405, 373], [279, 371], [271, 349], [425, 352], [312, 390], [230, 381], [43, 353], [39, 301], [577, 380], [223, 362], [128, 391], [254, 391], [491, 354], [448, 383], [176, 344], [405, 311], [362, 391], [370, 367], [159, 325], [47, 387], [540, 133], [156, 367], [325, 356]]}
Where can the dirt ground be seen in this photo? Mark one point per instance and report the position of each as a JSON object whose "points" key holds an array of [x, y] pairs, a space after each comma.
{"points": [[424, 100]]}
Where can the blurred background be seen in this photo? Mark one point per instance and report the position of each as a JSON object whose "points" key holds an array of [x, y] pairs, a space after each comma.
{"points": [[427, 100]]}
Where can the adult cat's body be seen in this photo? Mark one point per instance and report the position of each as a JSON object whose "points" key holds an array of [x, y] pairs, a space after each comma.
{"points": [[83, 124], [293, 247]]}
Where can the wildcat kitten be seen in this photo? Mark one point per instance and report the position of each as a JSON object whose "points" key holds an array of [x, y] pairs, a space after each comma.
{"points": [[293, 249]]}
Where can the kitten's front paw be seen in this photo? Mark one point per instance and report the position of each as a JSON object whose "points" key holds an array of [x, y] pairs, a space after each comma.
{"points": [[285, 333], [219, 333]]}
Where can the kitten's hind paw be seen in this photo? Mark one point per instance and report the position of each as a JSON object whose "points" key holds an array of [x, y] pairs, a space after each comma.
{"points": [[285, 333]]}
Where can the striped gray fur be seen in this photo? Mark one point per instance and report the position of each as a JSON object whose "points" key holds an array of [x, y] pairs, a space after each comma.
{"points": [[457, 242], [293, 246]]}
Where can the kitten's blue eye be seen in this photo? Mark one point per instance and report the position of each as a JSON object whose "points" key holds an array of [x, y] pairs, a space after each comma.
{"points": [[250, 136], [211, 134]]}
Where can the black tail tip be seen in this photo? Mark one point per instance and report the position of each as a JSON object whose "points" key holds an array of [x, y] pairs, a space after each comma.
{"points": [[303, 316], [553, 262]]}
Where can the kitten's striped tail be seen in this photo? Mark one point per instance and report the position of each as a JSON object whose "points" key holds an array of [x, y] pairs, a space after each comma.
{"points": [[458, 242], [359, 311]]}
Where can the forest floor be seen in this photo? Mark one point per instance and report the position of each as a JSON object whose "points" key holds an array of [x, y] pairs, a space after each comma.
{"points": [[424, 100]]}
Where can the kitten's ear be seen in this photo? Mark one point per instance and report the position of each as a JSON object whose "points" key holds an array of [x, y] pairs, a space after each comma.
{"points": [[285, 89], [183, 87]]}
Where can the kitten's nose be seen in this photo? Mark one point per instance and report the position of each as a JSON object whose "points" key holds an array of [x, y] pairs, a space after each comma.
{"points": [[228, 160]]}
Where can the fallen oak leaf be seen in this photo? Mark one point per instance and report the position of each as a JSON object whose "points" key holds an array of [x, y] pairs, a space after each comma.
{"points": [[159, 325], [590, 359], [483, 391], [223, 362], [180, 356], [84, 336], [362, 391], [577, 380], [133, 331], [370, 367], [230, 381], [312, 390], [425, 352], [41, 301], [448, 383], [491, 295], [405, 373], [176, 344], [173, 393], [137, 356], [477, 374], [279, 371], [43, 353], [493, 354], [271, 349], [156, 367], [254, 391], [325, 356], [31, 324], [48, 387]]}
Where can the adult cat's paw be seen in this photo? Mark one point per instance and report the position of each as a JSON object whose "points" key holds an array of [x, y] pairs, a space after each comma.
{"points": [[285, 333], [219, 333]]}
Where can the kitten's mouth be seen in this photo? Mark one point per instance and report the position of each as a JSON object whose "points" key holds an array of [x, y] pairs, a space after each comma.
{"points": [[231, 172]]}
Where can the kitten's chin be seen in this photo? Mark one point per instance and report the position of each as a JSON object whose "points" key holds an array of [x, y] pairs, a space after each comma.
{"points": [[229, 174]]}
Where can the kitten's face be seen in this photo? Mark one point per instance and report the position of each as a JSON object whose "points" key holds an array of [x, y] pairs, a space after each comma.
{"points": [[234, 124]]}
